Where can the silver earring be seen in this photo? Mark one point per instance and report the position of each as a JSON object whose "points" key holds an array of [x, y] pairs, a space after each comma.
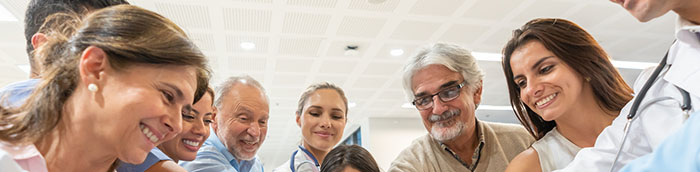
{"points": [[92, 87]]}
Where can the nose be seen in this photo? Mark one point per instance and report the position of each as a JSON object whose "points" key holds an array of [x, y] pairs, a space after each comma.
{"points": [[438, 106], [199, 128], [533, 89], [326, 122], [254, 129], [173, 124]]}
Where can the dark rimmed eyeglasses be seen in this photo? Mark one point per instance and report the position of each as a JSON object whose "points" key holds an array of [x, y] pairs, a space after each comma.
{"points": [[445, 95]]}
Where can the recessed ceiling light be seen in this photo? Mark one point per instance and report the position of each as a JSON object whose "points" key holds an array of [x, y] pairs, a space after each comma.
{"points": [[396, 52], [484, 56], [247, 45], [5, 14], [352, 104]]}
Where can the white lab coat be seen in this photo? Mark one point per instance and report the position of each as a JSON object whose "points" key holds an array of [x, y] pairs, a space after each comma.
{"points": [[654, 123], [302, 163]]}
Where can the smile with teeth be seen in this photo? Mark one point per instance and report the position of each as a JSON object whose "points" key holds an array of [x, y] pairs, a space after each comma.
{"points": [[546, 99], [190, 143], [249, 142], [152, 137]]}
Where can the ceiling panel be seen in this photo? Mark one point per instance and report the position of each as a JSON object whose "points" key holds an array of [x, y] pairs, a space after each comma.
{"points": [[189, 16], [305, 23], [314, 3], [374, 5], [302, 46], [415, 30], [250, 20], [366, 27], [432, 8]]}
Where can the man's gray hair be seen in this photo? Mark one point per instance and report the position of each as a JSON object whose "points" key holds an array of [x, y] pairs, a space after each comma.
{"points": [[451, 56], [226, 86]]}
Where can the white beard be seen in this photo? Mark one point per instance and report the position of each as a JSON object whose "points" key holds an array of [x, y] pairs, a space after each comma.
{"points": [[445, 133]]}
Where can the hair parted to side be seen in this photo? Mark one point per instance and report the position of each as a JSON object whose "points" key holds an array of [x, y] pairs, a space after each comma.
{"points": [[315, 87], [226, 86], [38, 10], [579, 50], [344, 156], [127, 34], [452, 56]]}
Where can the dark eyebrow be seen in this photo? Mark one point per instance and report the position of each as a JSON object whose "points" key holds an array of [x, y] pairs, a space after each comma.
{"points": [[534, 67], [445, 85], [188, 108], [208, 113]]}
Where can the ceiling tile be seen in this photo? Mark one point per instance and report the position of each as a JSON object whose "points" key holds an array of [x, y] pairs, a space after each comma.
{"points": [[432, 8], [366, 27], [370, 82], [293, 65], [491, 10], [305, 23], [337, 67], [300, 46], [414, 30], [589, 20], [337, 80], [358, 94], [382, 5], [314, 3], [382, 68], [247, 64], [464, 33], [250, 20], [189, 16], [205, 41], [290, 80], [544, 8]]}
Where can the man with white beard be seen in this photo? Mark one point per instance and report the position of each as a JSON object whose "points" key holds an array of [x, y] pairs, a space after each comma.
{"points": [[444, 83]]}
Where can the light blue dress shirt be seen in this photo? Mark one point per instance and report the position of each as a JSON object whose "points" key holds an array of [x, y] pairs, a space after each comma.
{"points": [[153, 157], [679, 152], [16, 93], [214, 156]]}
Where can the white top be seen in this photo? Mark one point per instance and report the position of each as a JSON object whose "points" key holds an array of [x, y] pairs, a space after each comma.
{"points": [[656, 121], [303, 162], [555, 151]]}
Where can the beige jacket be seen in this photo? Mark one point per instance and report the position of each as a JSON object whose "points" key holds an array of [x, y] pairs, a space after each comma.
{"points": [[501, 142]]}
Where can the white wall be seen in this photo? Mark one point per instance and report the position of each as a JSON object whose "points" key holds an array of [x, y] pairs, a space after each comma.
{"points": [[389, 136]]}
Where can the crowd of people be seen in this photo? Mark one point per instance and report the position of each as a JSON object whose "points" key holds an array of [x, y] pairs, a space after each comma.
{"points": [[576, 111]]}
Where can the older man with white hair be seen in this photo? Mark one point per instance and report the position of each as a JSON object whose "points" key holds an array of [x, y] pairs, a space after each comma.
{"points": [[238, 131], [445, 84]]}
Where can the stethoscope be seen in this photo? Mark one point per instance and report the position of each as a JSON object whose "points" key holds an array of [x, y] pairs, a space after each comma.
{"points": [[684, 105], [291, 160]]}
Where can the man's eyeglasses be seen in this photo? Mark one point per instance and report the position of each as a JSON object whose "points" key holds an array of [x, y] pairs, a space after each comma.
{"points": [[445, 95]]}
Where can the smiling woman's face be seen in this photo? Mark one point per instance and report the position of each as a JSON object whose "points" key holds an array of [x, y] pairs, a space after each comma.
{"points": [[195, 130], [322, 120]]}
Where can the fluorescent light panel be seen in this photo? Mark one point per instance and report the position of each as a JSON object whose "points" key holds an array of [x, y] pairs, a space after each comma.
{"points": [[496, 57]]}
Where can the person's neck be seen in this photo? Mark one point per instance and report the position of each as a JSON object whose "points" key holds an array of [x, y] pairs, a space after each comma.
{"points": [[465, 144], [689, 10], [584, 122], [317, 153], [68, 148]]}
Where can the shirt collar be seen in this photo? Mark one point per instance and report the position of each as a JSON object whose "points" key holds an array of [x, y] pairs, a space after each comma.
{"points": [[686, 32], [242, 166], [477, 151]]}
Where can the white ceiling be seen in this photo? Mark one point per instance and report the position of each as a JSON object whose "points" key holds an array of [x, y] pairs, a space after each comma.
{"points": [[299, 42]]}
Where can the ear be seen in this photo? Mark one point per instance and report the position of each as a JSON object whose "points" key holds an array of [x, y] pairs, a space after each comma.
{"points": [[477, 93], [38, 39], [213, 117], [93, 63], [298, 119]]}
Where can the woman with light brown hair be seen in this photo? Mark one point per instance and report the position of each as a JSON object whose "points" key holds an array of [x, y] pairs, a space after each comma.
{"points": [[563, 89], [115, 85]]}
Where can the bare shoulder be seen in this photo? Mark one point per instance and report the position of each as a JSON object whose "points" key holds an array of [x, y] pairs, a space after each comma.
{"points": [[527, 160], [165, 166]]}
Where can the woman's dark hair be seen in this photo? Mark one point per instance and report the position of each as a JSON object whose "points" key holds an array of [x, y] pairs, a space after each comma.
{"points": [[577, 49], [127, 34], [349, 156]]}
